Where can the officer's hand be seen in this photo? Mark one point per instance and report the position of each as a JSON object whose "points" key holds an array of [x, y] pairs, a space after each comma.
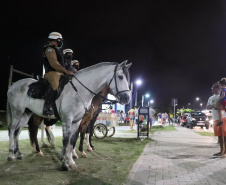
{"points": [[69, 73]]}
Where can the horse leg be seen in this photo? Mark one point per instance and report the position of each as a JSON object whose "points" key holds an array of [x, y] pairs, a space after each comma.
{"points": [[91, 134], [89, 148], [74, 154], [33, 132], [23, 121], [44, 145], [69, 136], [82, 136], [13, 127], [50, 136]]}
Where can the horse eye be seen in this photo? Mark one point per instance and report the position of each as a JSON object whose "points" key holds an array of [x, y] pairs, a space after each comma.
{"points": [[120, 77]]}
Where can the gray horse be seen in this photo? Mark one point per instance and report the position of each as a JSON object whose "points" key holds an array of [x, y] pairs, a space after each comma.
{"points": [[71, 104]]}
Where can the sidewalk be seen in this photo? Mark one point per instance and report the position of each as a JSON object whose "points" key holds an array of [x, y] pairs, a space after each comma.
{"points": [[177, 158], [57, 131]]}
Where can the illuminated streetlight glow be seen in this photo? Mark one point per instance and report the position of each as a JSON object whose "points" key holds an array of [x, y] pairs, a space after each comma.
{"points": [[197, 98], [151, 101], [147, 95], [138, 82]]}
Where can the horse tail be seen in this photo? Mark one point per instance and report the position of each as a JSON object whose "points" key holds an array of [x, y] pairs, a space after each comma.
{"points": [[8, 115]]}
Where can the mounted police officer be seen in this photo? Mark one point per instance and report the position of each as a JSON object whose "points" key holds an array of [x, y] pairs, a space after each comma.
{"points": [[75, 65], [68, 55], [54, 67]]}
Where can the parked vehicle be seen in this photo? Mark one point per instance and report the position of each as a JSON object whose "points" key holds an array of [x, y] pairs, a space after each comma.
{"points": [[183, 121], [197, 119]]}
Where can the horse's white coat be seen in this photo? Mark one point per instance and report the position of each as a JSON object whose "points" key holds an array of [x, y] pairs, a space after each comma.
{"points": [[69, 104]]}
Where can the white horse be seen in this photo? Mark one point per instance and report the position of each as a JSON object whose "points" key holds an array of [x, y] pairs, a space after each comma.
{"points": [[71, 104]]}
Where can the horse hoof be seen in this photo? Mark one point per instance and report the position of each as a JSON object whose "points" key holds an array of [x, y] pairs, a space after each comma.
{"points": [[75, 156], [89, 149], [40, 154], [84, 155], [34, 151], [52, 145], [19, 157], [65, 167], [11, 158], [73, 166], [44, 145]]}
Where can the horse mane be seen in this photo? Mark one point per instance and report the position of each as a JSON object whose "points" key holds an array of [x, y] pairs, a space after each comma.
{"points": [[95, 66]]}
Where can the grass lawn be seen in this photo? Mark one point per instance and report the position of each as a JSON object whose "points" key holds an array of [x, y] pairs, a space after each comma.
{"points": [[160, 128], [110, 163], [205, 133]]}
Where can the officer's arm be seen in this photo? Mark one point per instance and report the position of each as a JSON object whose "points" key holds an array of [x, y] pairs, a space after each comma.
{"points": [[52, 58]]}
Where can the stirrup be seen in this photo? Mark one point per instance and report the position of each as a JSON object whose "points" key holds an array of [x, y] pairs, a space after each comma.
{"points": [[48, 111]]}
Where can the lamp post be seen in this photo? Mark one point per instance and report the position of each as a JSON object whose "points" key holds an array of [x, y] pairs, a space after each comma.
{"points": [[138, 82], [147, 96]]}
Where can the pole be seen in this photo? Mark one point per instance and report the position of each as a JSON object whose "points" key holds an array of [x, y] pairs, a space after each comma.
{"points": [[136, 99], [142, 100], [131, 103], [174, 110]]}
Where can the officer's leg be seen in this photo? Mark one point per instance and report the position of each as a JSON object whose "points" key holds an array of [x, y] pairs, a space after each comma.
{"points": [[53, 79]]}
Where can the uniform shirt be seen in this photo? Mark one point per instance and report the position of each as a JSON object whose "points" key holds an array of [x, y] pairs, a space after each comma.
{"points": [[52, 58], [212, 101]]}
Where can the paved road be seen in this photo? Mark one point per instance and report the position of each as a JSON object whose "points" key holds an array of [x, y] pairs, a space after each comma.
{"points": [[177, 158]]}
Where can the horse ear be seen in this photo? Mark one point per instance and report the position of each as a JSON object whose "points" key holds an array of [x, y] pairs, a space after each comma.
{"points": [[128, 65], [123, 63]]}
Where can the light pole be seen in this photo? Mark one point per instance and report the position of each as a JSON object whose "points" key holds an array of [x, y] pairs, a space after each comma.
{"points": [[138, 82], [147, 96]]}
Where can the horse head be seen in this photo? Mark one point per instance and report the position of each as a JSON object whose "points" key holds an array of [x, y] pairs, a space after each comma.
{"points": [[120, 83]]}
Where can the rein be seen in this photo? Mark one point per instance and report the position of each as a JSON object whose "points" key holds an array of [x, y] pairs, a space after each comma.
{"points": [[97, 95]]}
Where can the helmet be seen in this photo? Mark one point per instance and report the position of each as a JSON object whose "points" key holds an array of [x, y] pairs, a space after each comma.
{"points": [[74, 61], [67, 51], [55, 35]]}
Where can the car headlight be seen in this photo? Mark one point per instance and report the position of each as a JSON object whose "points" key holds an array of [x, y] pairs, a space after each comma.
{"points": [[193, 119]]}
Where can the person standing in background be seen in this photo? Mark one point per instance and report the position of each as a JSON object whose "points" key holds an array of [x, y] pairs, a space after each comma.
{"points": [[131, 114], [151, 115]]}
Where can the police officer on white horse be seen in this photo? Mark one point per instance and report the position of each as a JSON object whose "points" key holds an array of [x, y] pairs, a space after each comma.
{"points": [[54, 67], [68, 57]]}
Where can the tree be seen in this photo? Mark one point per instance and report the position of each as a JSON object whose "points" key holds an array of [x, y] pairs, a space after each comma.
{"points": [[182, 111]]}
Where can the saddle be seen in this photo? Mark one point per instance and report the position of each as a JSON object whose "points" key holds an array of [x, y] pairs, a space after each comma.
{"points": [[39, 89]]}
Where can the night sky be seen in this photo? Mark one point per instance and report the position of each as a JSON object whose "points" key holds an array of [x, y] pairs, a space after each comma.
{"points": [[177, 47]]}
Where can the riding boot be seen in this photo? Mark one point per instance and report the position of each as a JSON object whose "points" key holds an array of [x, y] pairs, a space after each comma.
{"points": [[50, 97]]}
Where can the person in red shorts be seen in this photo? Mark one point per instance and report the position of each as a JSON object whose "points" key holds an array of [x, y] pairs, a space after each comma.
{"points": [[221, 103], [219, 131]]}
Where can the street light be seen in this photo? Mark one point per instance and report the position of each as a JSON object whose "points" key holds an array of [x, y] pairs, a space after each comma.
{"points": [[197, 98], [138, 82], [151, 101], [147, 96]]}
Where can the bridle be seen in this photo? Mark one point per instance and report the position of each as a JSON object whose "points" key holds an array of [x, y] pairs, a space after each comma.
{"points": [[97, 95], [114, 77]]}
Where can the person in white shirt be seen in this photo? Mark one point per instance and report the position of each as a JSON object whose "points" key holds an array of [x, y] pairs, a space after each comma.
{"points": [[151, 114], [211, 104]]}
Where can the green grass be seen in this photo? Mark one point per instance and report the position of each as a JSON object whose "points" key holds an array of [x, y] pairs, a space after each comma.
{"points": [[205, 133], [154, 129], [110, 163], [160, 128]]}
